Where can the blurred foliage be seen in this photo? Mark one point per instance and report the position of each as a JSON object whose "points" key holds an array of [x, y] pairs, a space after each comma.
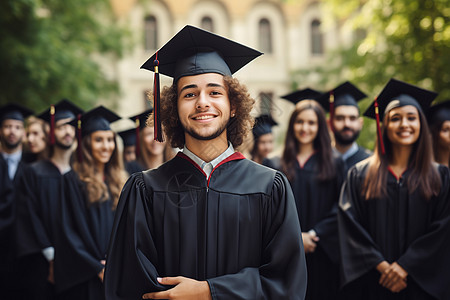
{"points": [[51, 49], [405, 39]]}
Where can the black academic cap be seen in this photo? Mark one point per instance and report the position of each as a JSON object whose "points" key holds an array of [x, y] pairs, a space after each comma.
{"points": [[96, 119], [344, 94], [64, 109], [397, 93], [194, 51], [14, 112], [439, 113], [263, 125], [141, 119], [300, 95], [128, 137]]}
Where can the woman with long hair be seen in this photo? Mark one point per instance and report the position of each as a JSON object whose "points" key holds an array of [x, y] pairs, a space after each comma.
{"points": [[439, 122], [150, 153], [91, 193], [315, 176], [37, 139], [394, 211]]}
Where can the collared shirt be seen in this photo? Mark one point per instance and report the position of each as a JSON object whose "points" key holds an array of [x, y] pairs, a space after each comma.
{"points": [[352, 150], [12, 160], [207, 167]]}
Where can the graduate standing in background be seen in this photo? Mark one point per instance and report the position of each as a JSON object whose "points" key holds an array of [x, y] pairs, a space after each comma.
{"points": [[37, 132], [150, 153], [395, 209], [129, 145], [263, 140], [208, 224], [39, 199], [345, 121], [13, 275], [91, 192], [439, 121], [316, 176]]}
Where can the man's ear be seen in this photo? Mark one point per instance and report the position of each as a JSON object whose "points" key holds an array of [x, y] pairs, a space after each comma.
{"points": [[361, 122], [233, 111]]}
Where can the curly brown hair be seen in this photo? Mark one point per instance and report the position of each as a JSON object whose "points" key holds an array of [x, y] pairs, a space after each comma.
{"points": [[237, 129]]}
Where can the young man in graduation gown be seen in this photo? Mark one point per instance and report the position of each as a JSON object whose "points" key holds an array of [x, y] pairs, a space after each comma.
{"points": [[39, 198], [208, 224], [345, 121], [12, 132]]}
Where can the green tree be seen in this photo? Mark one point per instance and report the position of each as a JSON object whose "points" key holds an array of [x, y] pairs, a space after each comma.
{"points": [[51, 49], [405, 39]]}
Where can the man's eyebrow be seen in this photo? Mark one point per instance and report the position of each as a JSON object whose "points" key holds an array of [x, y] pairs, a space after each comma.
{"points": [[189, 86], [215, 85]]}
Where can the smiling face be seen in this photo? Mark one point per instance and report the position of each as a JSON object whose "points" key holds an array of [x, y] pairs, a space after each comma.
{"points": [[403, 127], [154, 148], [444, 135], [64, 134], [306, 127], [203, 106], [102, 146]]}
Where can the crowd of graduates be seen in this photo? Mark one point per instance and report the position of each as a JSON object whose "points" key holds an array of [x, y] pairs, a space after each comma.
{"points": [[375, 224]]}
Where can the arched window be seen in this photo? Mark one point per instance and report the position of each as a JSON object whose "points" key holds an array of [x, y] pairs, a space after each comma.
{"points": [[150, 33], [265, 36], [316, 38], [207, 24]]}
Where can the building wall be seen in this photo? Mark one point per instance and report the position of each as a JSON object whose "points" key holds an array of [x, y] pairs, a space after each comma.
{"points": [[290, 22]]}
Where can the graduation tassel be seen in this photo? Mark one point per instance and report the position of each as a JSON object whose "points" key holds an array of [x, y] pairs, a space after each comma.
{"points": [[156, 103], [52, 125], [138, 142], [331, 110], [377, 116], [79, 156]]}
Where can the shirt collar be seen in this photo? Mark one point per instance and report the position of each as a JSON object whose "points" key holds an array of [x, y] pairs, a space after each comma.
{"points": [[14, 157], [214, 162], [352, 150]]}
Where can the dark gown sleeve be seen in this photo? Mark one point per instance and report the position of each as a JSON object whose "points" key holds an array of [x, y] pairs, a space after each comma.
{"points": [[6, 199], [32, 235], [326, 229], [427, 259], [76, 260], [132, 238], [359, 253], [282, 273]]}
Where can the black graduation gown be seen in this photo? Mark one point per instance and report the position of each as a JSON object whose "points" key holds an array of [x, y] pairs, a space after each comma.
{"points": [[133, 166], [273, 163], [401, 227], [14, 277], [81, 242], [38, 204], [238, 230], [360, 155], [317, 203]]}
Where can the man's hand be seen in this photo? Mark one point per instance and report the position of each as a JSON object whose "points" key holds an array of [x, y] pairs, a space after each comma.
{"points": [[101, 274], [185, 288], [394, 278], [51, 277], [309, 242]]}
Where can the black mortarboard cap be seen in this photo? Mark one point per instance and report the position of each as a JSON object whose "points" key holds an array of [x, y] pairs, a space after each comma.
{"points": [[263, 125], [96, 119], [141, 119], [194, 51], [14, 111], [300, 95], [64, 109], [439, 113], [128, 137], [397, 93], [344, 94]]}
